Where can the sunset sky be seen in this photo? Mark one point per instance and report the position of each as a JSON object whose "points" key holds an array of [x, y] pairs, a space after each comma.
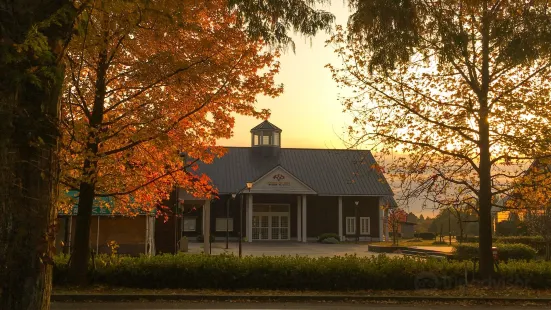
{"points": [[308, 112]]}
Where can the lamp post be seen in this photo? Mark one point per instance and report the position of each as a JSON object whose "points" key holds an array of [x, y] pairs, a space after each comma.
{"points": [[249, 186], [357, 221], [228, 221]]}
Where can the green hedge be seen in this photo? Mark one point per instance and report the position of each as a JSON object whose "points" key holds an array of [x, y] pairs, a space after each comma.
{"points": [[189, 271], [327, 236], [269, 272], [509, 239], [425, 235], [535, 242], [505, 251]]}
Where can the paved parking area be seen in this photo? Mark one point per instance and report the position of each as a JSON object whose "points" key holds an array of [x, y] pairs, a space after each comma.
{"points": [[276, 248]]}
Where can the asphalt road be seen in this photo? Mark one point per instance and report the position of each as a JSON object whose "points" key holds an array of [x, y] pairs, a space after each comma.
{"points": [[268, 306]]}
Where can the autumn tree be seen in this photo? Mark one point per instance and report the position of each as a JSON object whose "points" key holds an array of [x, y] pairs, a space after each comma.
{"points": [[141, 90], [33, 37], [396, 216], [460, 87], [531, 196]]}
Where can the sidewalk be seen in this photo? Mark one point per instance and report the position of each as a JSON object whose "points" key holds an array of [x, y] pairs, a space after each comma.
{"points": [[469, 294], [289, 298]]}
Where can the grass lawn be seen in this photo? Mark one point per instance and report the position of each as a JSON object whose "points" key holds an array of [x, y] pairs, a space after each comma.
{"points": [[412, 242]]}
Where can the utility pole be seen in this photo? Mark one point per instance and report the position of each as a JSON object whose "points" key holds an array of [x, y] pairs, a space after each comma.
{"points": [[450, 225]]}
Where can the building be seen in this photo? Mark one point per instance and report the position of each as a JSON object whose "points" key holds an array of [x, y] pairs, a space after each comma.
{"points": [[282, 194], [133, 235], [407, 230]]}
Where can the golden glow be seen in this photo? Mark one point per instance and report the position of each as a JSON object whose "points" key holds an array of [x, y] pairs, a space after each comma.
{"points": [[308, 112]]}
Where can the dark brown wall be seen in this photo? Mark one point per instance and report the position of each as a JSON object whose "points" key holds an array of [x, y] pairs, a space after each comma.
{"points": [[322, 213], [164, 234], [368, 206]]}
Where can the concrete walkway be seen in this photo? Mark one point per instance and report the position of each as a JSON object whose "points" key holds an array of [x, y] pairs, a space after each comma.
{"points": [[276, 248], [444, 249]]}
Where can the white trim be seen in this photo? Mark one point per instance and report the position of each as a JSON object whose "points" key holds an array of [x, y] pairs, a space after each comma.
{"points": [[350, 229], [341, 237], [308, 189], [270, 214], [387, 233], [381, 222], [304, 231], [299, 220], [362, 227]]}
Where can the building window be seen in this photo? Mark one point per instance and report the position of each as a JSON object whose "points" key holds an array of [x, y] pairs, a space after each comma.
{"points": [[256, 139], [365, 225], [221, 224], [266, 138], [190, 223], [350, 225], [276, 138]]}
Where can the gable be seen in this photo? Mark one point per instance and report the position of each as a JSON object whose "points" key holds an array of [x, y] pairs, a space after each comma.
{"points": [[280, 181], [325, 172]]}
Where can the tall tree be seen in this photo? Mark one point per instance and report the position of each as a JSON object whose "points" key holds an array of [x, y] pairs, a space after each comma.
{"points": [[33, 36], [461, 87], [137, 96]]}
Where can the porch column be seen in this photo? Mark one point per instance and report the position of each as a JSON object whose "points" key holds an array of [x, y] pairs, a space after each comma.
{"points": [[249, 217], [387, 235], [381, 222], [304, 230], [341, 237], [299, 219], [206, 228]]}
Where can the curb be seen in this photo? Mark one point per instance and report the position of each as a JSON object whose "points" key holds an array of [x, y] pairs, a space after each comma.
{"points": [[281, 298]]}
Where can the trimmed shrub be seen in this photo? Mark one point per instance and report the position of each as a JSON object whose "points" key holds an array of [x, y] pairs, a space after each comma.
{"points": [[339, 273], [330, 241], [468, 239], [505, 252], [427, 236], [536, 242], [189, 271], [327, 236]]}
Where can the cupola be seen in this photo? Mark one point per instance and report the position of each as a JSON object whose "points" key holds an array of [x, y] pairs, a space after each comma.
{"points": [[266, 137]]}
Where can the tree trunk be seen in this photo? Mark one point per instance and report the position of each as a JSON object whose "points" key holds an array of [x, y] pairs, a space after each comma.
{"points": [[30, 86], [485, 194], [81, 253]]}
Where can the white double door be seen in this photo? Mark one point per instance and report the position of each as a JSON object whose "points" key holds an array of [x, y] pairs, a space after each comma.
{"points": [[270, 226]]}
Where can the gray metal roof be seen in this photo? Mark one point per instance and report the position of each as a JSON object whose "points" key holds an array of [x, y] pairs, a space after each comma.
{"points": [[265, 125], [328, 172]]}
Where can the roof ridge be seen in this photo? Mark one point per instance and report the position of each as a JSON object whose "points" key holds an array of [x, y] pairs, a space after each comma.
{"points": [[300, 148]]}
